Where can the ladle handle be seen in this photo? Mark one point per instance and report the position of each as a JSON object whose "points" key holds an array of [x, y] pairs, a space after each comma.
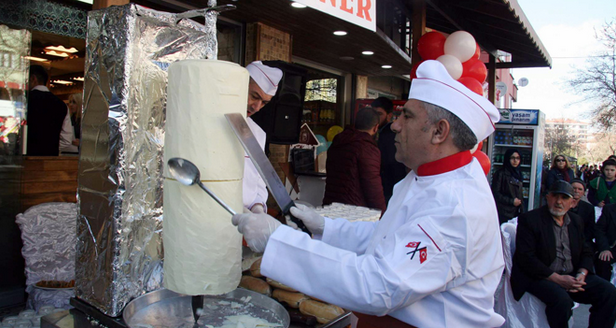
{"points": [[218, 200]]}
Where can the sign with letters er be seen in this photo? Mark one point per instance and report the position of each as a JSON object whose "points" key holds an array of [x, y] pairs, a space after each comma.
{"points": [[358, 12]]}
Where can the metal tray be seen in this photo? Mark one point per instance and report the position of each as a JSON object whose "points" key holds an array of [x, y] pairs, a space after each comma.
{"points": [[165, 308]]}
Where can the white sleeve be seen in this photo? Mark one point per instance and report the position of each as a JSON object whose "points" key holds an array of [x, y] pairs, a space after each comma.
{"points": [[67, 135], [351, 236], [417, 263]]}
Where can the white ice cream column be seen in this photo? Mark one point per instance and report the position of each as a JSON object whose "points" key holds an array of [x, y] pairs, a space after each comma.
{"points": [[202, 248]]}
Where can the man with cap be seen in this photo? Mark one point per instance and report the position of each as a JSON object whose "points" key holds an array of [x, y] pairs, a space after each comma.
{"points": [[435, 258], [553, 262], [262, 87]]}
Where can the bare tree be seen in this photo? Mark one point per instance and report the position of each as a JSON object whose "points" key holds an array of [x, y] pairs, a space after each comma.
{"points": [[558, 141], [597, 82]]}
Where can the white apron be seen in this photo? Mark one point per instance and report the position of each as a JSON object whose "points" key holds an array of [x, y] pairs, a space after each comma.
{"points": [[434, 259], [254, 190]]}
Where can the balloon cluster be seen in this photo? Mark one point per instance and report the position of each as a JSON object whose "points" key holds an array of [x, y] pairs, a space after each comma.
{"points": [[459, 53], [481, 157]]}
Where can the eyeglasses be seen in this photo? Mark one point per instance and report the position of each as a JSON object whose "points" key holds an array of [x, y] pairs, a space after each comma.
{"points": [[560, 160]]}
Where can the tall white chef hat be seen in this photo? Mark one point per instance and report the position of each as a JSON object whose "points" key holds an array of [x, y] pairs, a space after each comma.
{"points": [[434, 85], [267, 77]]}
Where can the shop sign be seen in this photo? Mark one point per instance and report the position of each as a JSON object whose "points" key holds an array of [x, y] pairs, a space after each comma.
{"points": [[519, 116], [358, 12]]}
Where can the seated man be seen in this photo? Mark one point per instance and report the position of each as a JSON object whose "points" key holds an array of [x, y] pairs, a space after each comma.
{"points": [[605, 234], [584, 210], [553, 262]]}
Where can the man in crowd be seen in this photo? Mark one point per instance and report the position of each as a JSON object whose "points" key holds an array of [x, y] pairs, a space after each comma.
{"points": [[605, 236], [353, 165], [392, 171], [553, 262], [46, 116], [435, 257], [261, 88], [584, 210]]}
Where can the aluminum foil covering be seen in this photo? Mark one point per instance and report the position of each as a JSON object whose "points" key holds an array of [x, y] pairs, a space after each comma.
{"points": [[119, 249], [48, 235]]}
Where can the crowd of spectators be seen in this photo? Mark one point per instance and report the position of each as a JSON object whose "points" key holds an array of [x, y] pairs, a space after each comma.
{"points": [[562, 256]]}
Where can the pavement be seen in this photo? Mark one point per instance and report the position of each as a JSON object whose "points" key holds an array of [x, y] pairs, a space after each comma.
{"points": [[580, 316]]}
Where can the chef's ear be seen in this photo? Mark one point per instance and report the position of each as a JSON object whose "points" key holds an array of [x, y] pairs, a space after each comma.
{"points": [[441, 131]]}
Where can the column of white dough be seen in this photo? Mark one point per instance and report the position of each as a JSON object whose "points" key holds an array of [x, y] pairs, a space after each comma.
{"points": [[202, 248]]}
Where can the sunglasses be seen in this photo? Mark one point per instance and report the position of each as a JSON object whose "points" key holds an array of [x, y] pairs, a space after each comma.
{"points": [[560, 160]]}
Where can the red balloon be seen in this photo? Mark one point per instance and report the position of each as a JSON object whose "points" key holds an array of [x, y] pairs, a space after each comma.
{"points": [[431, 45], [479, 146], [477, 53], [475, 68], [483, 160], [414, 69], [472, 84]]}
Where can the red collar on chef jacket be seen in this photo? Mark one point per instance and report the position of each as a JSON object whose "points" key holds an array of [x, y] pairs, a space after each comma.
{"points": [[446, 164]]}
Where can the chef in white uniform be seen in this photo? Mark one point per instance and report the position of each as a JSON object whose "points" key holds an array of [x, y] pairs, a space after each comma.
{"points": [[263, 85], [435, 257]]}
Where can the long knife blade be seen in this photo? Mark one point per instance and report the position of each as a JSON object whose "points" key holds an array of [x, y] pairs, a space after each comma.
{"points": [[263, 165]]}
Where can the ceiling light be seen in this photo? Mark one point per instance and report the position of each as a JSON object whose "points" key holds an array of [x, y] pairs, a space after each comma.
{"points": [[55, 53], [297, 5], [347, 58], [61, 82], [78, 79], [386, 66], [61, 48], [340, 33], [36, 59], [367, 53]]}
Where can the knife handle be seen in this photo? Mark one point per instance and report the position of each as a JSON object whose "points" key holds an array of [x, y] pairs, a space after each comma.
{"points": [[300, 223]]}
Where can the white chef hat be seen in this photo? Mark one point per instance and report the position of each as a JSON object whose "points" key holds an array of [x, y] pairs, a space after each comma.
{"points": [[267, 77], [434, 85]]}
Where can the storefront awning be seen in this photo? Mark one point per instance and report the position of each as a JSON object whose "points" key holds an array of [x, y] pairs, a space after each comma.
{"points": [[495, 24]]}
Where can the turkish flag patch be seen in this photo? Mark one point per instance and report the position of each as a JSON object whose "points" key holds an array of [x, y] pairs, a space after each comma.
{"points": [[423, 255]]}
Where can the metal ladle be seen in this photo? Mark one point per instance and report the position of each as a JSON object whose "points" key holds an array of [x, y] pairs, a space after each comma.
{"points": [[187, 173]]}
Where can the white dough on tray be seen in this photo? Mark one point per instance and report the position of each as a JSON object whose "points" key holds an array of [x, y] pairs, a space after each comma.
{"points": [[202, 248]]}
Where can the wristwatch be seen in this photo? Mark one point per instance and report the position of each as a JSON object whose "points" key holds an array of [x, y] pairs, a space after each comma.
{"points": [[582, 272]]}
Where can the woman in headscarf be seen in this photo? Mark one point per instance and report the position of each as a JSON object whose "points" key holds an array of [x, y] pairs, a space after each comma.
{"points": [[507, 187], [560, 170]]}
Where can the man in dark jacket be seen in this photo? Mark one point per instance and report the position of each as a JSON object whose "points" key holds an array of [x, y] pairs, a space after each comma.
{"points": [[553, 262], [392, 171], [584, 210], [605, 236], [353, 165], [46, 114]]}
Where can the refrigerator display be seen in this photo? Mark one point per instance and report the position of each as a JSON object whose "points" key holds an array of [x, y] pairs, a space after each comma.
{"points": [[523, 131]]}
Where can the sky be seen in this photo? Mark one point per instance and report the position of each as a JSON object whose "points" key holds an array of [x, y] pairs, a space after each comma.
{"points": [[567, 30]]}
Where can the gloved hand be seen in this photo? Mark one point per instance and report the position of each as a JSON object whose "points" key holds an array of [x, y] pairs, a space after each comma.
{"points": [[256, 228], [313, 221]]}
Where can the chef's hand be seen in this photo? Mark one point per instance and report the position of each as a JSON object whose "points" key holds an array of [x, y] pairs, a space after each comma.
{"points": [[257, 208], [313, 221], [256, 228]]}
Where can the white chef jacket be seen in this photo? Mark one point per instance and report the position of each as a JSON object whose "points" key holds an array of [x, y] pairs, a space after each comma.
{"points": [[434, 259], [254, 190]]}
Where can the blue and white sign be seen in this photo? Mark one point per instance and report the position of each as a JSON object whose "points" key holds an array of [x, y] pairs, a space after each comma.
{"points": [[519, 116]]}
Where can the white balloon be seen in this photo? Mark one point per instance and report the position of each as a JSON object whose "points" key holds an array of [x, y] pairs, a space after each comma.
{"points": [[460, 44], [452, 64]]}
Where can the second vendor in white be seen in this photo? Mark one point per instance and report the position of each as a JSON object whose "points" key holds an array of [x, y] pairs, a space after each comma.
{"points": [[435, 258], [262, 87]]}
